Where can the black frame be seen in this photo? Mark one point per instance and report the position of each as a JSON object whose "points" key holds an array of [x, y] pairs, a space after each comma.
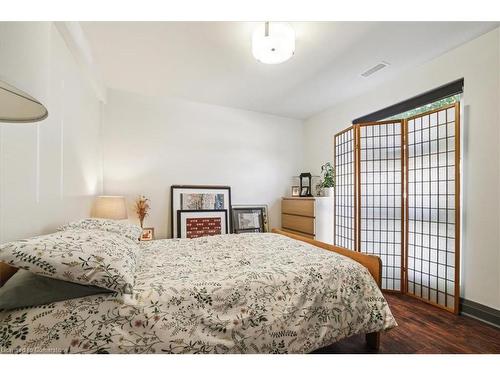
{"points": [[309, 185], [198, 187], [441, 92], [236, 227], [265, 208], [180, 212]]}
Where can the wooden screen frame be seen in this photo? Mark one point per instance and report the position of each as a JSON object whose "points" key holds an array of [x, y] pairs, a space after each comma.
{"points": [[404, 197], [456, 307], [354, 128]]}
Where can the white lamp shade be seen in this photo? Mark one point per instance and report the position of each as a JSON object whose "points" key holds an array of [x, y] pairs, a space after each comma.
{"points": [[274, 46], [110, 207], [17, 106]]}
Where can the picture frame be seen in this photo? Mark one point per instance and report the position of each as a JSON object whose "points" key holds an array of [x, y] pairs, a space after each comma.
{"points": [[304, 192], [201, 223], [148, 234], [248, 219], [265, 213], [198, 198], [295, 191], [249, 231]]}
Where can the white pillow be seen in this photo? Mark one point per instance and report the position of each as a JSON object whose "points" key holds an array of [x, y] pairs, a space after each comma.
{"points": [[124, 228], [82, 256]]}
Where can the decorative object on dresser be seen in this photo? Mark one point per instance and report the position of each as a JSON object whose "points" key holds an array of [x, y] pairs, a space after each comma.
{"points": [[201, 223], [110, 207], [305, 182], [198, 198], [304, 192], [295, 191], [248, 219], [148, 234], [141, 208], [311, 217], [327, 184]]}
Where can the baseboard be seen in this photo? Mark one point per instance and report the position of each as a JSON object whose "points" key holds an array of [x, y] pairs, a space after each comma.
{"points": [[480, 312]]}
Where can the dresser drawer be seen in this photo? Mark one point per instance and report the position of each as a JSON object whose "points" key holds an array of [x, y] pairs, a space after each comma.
{"points": [[298, 223], [303, 207], [311, 236]]}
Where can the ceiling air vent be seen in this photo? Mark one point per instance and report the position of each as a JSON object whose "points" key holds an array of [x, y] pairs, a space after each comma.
{"points": [[375, 69]]}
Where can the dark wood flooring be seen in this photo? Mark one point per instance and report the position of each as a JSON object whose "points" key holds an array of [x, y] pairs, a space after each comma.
{"points": [[425, 329]]}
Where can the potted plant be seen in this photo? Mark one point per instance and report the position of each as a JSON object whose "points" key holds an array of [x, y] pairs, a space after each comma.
{"points": [[327, 183]]}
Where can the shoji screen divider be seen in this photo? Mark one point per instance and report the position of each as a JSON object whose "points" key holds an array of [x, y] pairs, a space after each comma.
{"points": [[397, 196], [433, 207], [345, 229], [380, 197]]}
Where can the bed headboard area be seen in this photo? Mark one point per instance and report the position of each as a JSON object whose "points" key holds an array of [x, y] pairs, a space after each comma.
{"points": [[6, 272]]}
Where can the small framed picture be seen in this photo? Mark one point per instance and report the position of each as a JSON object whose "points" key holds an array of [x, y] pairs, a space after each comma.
{"points": [[304, 192], [295, 191], [250, 219], [148, 234], [265, 216]]}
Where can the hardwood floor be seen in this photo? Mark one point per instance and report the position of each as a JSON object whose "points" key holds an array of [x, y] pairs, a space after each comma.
{"points": [[425, 329]]}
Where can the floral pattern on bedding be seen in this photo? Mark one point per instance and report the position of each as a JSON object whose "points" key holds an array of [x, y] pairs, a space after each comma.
{"points": [[247, 293], [89, 257], [123, 228]]}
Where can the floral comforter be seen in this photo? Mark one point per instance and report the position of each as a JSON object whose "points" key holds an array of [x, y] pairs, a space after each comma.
{"points": [[246, 293]]}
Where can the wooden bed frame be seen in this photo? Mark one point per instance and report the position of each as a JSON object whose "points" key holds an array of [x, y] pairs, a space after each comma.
{"points": [[371, 262]]}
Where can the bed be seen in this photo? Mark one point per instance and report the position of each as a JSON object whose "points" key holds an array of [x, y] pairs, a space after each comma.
{"points": [[247, 293]]}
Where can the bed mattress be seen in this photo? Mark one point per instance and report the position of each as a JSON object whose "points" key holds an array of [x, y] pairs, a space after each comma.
{"points": [[247, 293]]}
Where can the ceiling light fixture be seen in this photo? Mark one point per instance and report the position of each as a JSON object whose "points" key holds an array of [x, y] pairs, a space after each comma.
{"points": [[273, 42]]}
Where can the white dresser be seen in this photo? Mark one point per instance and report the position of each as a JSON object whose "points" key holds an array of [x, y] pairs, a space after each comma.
{"points": [[310, 217]]}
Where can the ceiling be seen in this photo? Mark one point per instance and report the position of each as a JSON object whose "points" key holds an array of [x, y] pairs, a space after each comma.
{"points": [[212, 62]]}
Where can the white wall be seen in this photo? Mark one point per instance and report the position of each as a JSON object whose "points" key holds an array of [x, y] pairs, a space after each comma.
{"points": [[153, 143], [478, 62], [49, 171]]}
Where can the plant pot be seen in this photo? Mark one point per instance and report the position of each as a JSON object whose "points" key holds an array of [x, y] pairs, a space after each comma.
{"points": [[327, 192]]}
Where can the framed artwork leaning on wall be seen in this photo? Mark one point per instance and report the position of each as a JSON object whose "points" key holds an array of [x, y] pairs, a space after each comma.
{"points": [[250, 212], [198, 198], [201, 223]]}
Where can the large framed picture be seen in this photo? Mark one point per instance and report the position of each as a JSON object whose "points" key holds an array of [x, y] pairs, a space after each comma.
{"points": [[198, 198], [260, 207], [201, 223]]}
